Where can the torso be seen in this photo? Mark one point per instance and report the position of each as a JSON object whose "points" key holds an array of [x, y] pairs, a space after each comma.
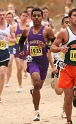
{"points": [[70, 56], [35, 51], [18, 33], [3, 34], [68, 9]]}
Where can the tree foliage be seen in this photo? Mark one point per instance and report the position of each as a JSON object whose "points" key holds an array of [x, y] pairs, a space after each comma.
{"points": [[55, 6]]}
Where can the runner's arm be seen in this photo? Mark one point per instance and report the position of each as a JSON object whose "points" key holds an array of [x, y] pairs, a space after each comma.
{"points": [[21, 42]]}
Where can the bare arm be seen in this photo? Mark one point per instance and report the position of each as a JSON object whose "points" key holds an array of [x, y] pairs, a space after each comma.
{"points": [[60, 15], [12, 32], [50, 34], [59, 39], [52, 25], [50, 58]]}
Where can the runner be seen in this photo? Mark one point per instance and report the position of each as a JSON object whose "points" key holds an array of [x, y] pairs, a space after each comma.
{"points": [[29, 10], [10, 20], [57, 59], [6, 34], [67, 39], [12, 8], [21, 64], [68, 7], [37, 64], [46, 20]]}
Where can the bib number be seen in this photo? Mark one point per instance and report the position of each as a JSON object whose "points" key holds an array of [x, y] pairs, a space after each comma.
{"points": [[2, 45], [35, 51], [17, 41], [62, 55], [73, 55]]}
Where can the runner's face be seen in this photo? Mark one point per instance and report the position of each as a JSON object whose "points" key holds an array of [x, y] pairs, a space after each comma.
{"points": [[24, 17], [11, 7], [68, 2], [2, 15], [29, 10], [36, 17], [66, 23], [45, 13], [9, 18], [73, 19]]}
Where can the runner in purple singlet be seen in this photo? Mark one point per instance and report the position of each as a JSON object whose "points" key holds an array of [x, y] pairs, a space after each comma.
{"points": [[37, 61]]}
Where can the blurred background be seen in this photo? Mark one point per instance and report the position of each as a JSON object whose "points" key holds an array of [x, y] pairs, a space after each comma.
{"points": [[55, 7]]}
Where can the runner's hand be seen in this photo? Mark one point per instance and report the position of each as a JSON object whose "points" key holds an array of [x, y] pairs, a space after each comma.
{"points": [[41, 44], [64, 49], [21, 54], [54, 70]]}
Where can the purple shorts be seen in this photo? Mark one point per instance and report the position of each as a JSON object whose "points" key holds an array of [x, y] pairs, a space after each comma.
{"points": [[16, 52], [31, 68]]}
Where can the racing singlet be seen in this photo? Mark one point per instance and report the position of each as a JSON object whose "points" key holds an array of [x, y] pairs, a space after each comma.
{"points": [[38, 54], [18, 34], [4, 52], [16, 46], [70, 56], [3, 34]]}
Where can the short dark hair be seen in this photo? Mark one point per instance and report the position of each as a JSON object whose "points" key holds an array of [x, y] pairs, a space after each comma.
{"points": [[72, 1], [29, 7], [37, 9], [23, 11], [71, 11], [63, 19]]}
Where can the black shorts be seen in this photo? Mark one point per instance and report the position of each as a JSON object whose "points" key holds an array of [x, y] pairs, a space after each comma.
{"points": [[5, 63], [56, 63]]}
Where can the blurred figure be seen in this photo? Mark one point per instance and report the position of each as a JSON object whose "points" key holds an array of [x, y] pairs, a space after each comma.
{"points": [[20, 63], [46, 20], [29, 20], [65, 43], [57, 59], [12, 8], [29, 10], [68, 7], [6, 34], [10, 20]]}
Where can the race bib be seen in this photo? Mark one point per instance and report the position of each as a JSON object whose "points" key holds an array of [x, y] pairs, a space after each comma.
{"points": [[17, 40], [2, 45], [73, 55], [35, 51], [62, 55]]}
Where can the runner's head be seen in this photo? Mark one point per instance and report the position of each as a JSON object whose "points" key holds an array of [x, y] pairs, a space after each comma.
{"points": [[9, 17], [23, 15], [45, 10], [36, 16], [29, 9], [2, 15], [69, 3], [72, 17], [65, 22]]}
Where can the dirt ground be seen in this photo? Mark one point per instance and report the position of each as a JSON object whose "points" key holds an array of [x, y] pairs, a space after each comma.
{"points": [[17, 108]]}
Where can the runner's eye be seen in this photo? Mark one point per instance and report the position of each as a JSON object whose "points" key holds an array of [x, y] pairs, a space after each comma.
{"points": [[66, 22]]}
